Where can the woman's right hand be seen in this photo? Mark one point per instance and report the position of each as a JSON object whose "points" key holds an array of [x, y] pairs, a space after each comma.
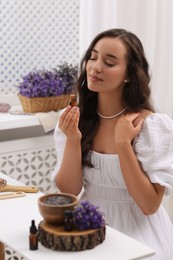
{"points": [[68, 122]]}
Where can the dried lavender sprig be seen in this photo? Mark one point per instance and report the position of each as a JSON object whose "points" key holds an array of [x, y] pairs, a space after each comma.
{"points": [[87, 216]]}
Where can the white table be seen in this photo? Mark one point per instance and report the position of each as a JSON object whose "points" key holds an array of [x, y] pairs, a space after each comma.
{"points": [[15, 219]]}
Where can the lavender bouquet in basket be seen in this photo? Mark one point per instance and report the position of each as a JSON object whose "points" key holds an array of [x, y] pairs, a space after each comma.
{"points": [[47, 83], [46, 90]]}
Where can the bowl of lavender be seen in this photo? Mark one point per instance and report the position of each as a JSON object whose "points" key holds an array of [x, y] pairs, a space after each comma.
{"points": [[52, 206]]}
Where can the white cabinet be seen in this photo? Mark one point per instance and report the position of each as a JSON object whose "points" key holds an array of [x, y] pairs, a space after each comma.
{"points": [[26, 152]]}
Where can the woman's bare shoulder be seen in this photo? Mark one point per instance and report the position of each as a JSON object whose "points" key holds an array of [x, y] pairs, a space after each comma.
{"points": [[142, 115], [145, 113]]}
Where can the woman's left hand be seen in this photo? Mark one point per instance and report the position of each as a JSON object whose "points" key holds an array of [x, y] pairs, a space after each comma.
{"points": [[127, 128]]}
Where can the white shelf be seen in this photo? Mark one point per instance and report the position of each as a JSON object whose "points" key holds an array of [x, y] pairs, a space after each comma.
{"points": [[11, 121], [13, 127]]}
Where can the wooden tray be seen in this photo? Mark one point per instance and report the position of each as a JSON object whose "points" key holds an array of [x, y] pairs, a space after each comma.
{"points": [[54, 237]]}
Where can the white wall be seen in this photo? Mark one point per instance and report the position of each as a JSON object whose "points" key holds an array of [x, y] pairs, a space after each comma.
{"points": [[36, 34]]}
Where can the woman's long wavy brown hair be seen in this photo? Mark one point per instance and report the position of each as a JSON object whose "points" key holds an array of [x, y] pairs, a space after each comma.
{"points": [[136, 93]]}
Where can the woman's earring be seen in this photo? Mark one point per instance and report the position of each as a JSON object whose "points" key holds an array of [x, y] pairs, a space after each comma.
{"points": [[126, 80]]}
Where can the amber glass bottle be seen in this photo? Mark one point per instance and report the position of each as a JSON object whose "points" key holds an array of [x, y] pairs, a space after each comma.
{"points": [[33, 237]]}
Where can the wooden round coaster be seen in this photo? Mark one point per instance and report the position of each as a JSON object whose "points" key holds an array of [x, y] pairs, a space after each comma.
{"points": [[54, 237]]}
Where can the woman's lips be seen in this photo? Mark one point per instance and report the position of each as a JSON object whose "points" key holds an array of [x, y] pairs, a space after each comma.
{"points": [[95, 78]]}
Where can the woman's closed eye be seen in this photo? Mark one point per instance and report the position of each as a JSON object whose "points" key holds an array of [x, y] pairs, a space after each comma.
{"points": [[93, 58], [108, 63]]}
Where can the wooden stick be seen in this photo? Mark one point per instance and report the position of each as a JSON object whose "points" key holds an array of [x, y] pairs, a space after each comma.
{"points": [[19, 188], [12, 195], [2, 251], [5, 187]]}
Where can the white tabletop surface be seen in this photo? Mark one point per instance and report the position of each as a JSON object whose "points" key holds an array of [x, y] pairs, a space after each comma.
{"points": [[15, 219]]}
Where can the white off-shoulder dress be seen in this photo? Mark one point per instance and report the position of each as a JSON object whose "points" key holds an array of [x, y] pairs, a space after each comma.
{"points": [[104, 185]]}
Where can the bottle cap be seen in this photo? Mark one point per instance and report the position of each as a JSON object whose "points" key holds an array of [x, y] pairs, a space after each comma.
{"points": [[68, 213], [33, 228]]}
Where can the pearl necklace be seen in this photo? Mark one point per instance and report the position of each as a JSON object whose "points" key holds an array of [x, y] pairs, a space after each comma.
{"points": [[110, 117]]}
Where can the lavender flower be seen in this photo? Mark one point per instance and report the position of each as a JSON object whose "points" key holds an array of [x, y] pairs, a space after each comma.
{"points": [[87, 216], [49, 83]]}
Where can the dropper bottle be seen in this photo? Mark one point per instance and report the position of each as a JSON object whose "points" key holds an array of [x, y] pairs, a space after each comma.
{"points": [[68, 220], [33, 236]]}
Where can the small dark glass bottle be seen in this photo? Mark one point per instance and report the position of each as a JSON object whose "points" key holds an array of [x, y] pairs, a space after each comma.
{"points": [[72, 100], [68, 220], [33, 237]]}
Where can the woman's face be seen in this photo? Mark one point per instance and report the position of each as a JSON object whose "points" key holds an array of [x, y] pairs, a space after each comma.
{"points": [[107, 67]]}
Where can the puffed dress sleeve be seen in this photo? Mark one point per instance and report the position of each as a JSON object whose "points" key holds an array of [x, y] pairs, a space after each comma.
{"points": [[60, 140], [154, 149]]}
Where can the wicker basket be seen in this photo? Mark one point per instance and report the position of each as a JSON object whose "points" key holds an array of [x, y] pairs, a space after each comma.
{"points": [[44, 104]]}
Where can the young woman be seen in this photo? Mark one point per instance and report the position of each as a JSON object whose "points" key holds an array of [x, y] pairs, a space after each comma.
{"points": [[113, 144]]}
